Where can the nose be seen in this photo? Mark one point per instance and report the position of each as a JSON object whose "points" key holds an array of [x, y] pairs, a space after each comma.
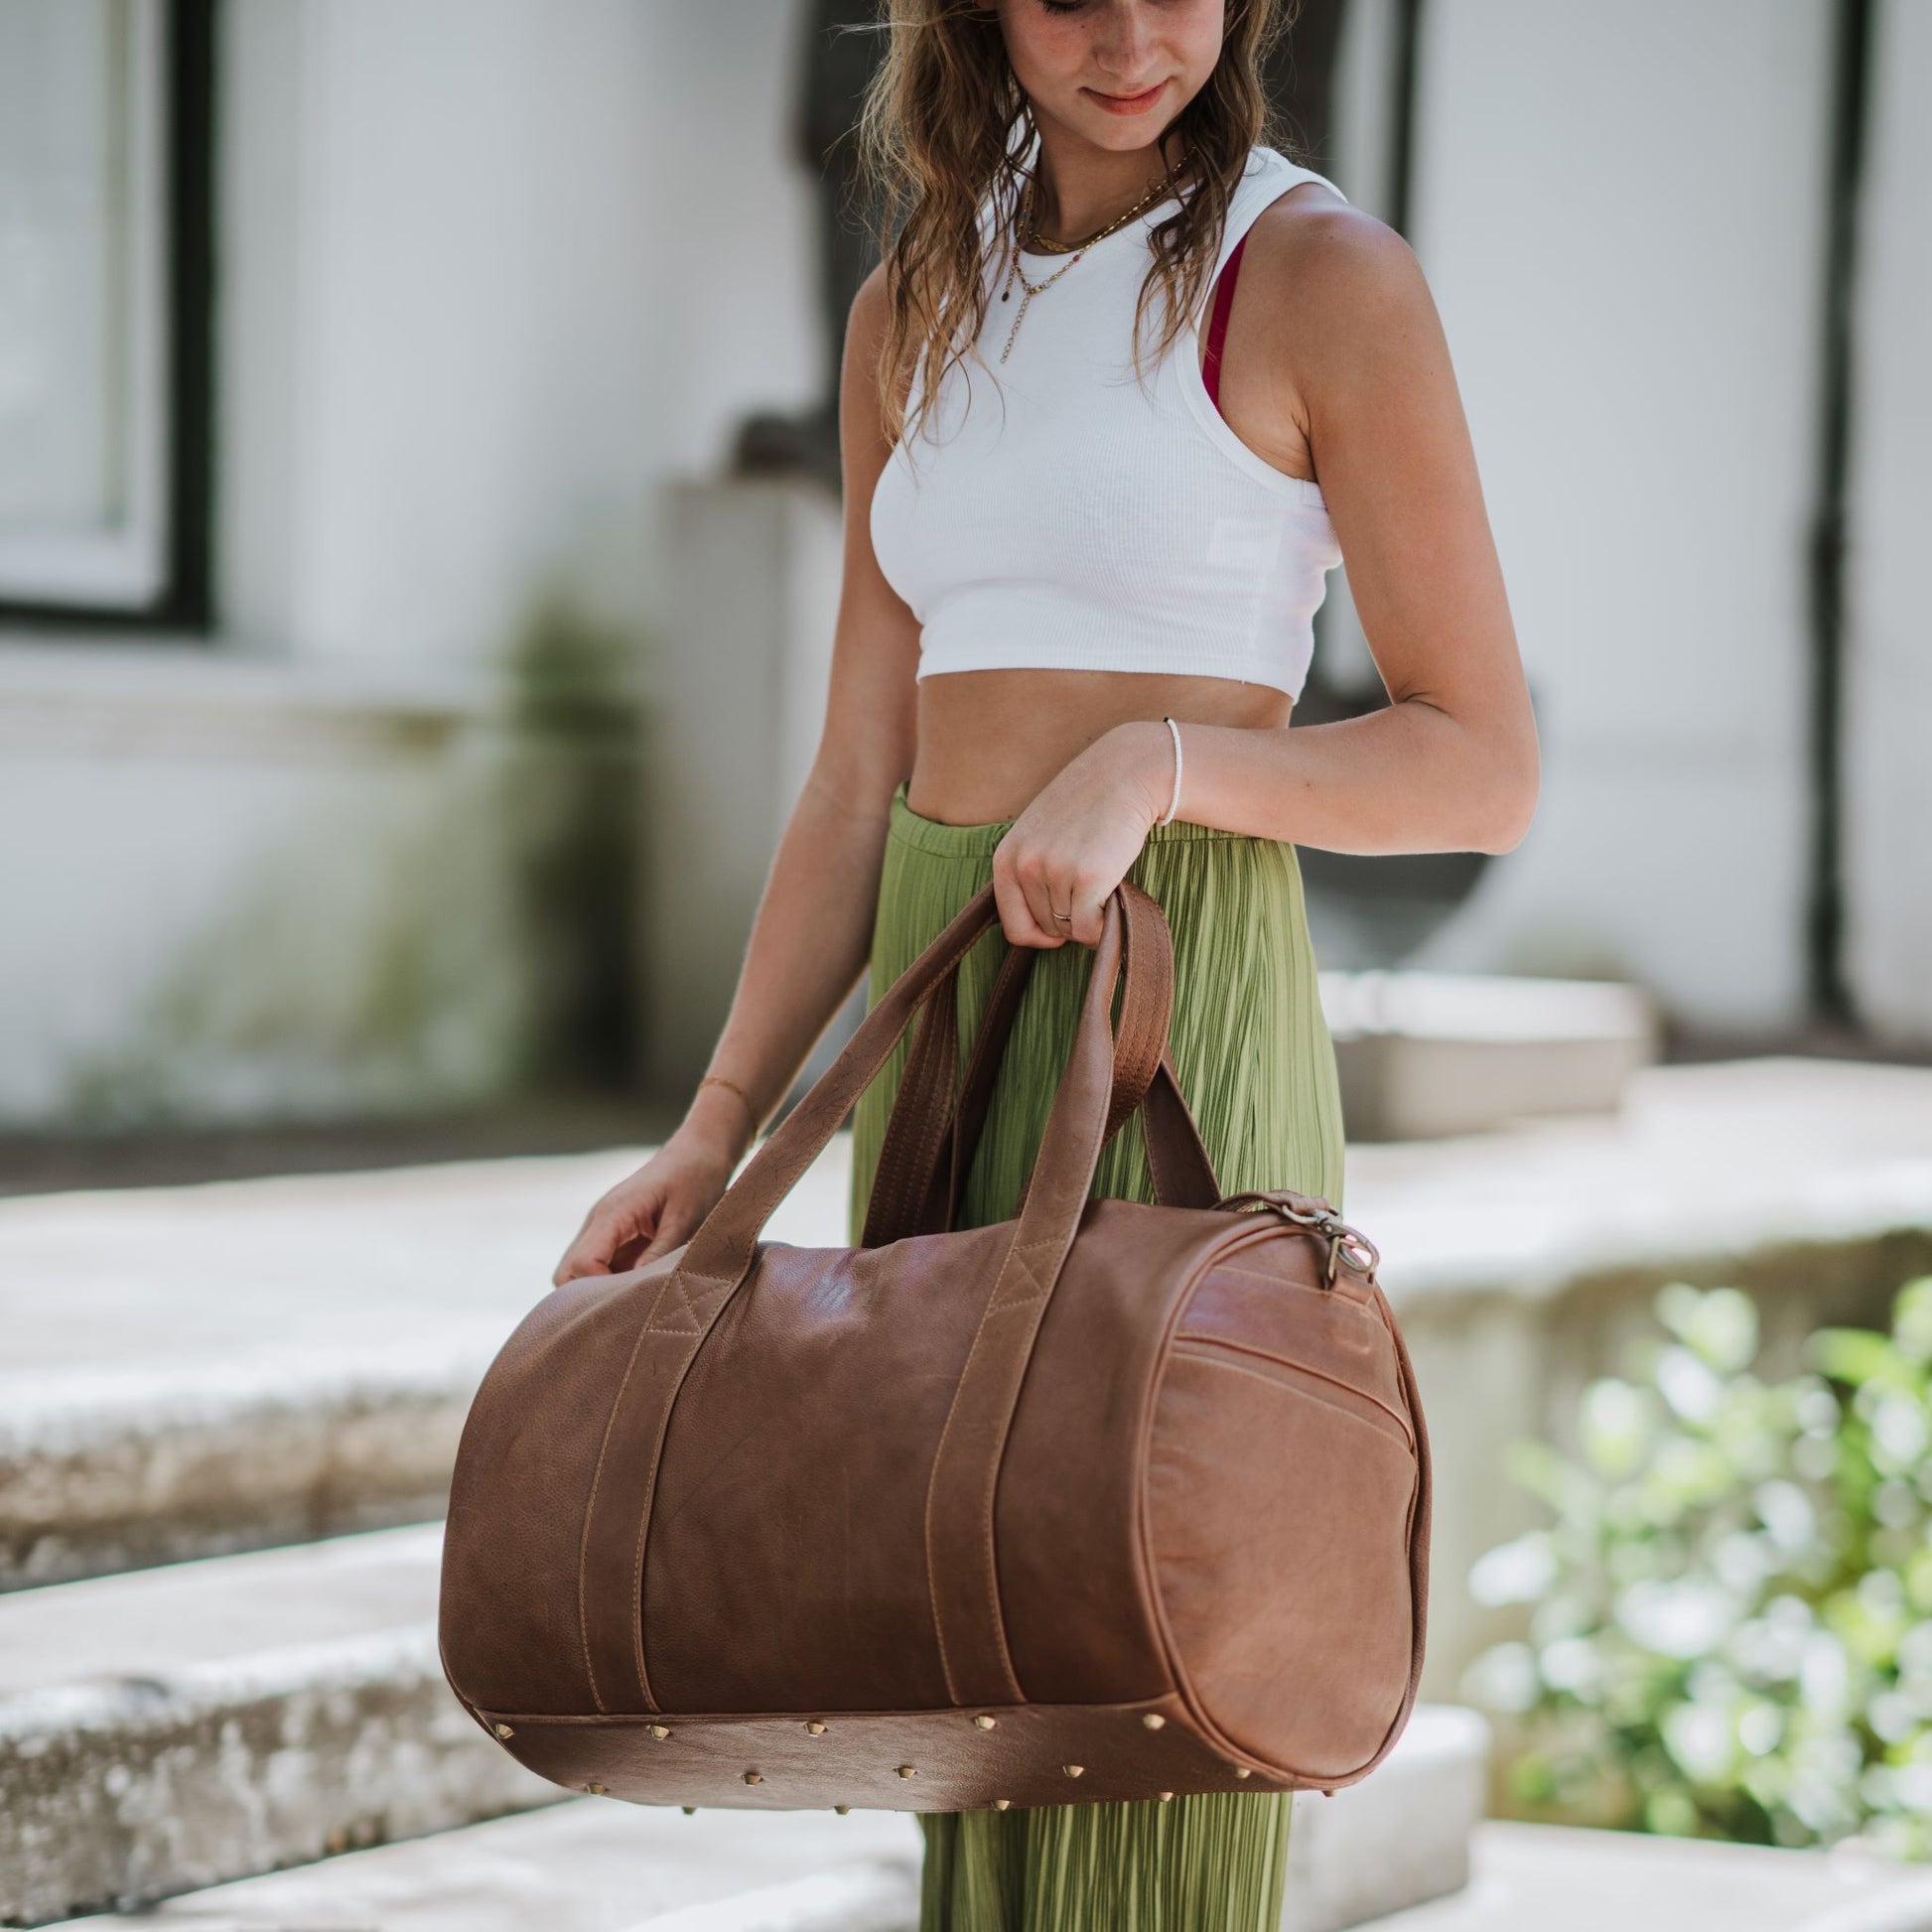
{"points": [[1124, 43]]}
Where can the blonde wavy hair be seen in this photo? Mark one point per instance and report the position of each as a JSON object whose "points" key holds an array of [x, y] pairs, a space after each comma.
{"points": [[947, 123]]}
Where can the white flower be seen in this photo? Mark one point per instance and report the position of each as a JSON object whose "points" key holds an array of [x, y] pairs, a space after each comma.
{"points": [[1687, 1619], [1514, 1573]]}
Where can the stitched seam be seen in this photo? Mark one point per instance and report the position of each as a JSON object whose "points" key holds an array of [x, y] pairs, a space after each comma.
{"points": [[1201, 1338], [644, 1528], [649, 1498], [1022, 1256], [990, 1487], [1339, 1295], [1209, 1360], [940, 1462], [589, 1508], [689, 1309]]}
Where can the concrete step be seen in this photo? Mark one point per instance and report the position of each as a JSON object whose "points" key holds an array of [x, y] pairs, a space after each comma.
{"points": [[1550, 1879], [1425, 1055], [588, 1867], [584, 1866], [178, 1728]]}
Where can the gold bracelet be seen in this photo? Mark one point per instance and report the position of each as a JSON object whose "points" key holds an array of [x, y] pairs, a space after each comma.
{"points": [[719, 1080]]}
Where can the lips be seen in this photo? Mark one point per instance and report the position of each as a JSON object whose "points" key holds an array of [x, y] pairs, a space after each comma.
{"points": [[1127, 103]]}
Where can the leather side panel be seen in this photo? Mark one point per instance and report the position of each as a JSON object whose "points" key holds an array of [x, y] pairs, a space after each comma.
{"points": [[510, 1619], [1257, 1301], [786, 1567], [1078, 1610], [1278, 1526]]}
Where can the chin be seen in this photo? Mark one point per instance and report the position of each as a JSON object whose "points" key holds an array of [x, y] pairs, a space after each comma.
{"points": [[1122, 133]]}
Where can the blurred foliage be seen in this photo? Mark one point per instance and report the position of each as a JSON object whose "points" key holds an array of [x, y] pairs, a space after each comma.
{"points": [[572, 790], [1730, 1617]]}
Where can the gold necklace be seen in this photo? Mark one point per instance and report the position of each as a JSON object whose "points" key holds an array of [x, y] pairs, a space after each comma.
{"points": [[1038, 244], [1077, 248]]}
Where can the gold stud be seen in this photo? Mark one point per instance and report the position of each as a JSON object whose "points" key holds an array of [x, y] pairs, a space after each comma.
{"points": [[504, 1731], [660, 1731], [813, 1728], [1167, 1797], [752, 1777], [1073, 1770], [1153, 1721], [908, 1770], [595, 1789], [1002, 1803], [841, 1809], [690, 1811], [985, 1722]]}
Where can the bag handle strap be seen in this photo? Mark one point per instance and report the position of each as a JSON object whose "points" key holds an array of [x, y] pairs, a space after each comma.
{"points": [[961, 1567], [929, 1143], [1178, 1158]]}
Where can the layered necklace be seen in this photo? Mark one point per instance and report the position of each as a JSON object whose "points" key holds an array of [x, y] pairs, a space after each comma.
{"points": [[1029, 239]]}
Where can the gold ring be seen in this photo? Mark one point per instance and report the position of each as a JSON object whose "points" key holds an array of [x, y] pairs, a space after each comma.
{"points": [[1065, 918]]}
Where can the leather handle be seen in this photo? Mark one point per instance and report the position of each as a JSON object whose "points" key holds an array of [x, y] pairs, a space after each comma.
{"points": [[961, 1566], [916, 1147], [931, 1138]]}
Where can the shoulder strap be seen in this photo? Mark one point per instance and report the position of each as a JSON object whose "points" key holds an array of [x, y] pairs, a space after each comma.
{"points": [[1280, 175], [1217, 325]]}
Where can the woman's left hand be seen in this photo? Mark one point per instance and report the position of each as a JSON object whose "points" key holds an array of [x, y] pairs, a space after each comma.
{"points": [[1069, 850]]}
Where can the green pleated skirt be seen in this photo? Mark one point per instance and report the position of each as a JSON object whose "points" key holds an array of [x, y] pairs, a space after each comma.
{"points": [[1257, 1068]]}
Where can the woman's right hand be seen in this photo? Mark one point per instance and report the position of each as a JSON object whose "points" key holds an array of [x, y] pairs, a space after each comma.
{"points": [[654, 1209]]}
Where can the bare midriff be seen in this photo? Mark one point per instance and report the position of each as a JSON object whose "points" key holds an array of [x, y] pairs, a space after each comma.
{"points": [[990, 740]]}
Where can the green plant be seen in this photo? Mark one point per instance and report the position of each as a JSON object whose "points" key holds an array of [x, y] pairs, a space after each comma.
{"points": [[1730, 1615]]}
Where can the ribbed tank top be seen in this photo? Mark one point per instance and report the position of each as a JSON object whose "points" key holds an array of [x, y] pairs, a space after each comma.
{"points": [[1069, 516]]}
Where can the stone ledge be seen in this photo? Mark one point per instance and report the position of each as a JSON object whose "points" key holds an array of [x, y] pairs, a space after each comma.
{"points": [[182, 1726], [185, 695], [1399, 1837], [108, 1472], [585, 1866], [1541, 1877]]}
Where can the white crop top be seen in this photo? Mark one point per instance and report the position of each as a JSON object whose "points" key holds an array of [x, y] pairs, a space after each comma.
{"points": [[1071, 517]]}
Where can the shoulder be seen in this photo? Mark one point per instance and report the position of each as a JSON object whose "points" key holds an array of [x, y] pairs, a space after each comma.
{"points": [[870, 310], [1341, 294], [869, 324]]}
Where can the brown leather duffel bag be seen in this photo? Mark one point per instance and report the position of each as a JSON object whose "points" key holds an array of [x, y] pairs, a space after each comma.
{"points": [[1113, 1500]]}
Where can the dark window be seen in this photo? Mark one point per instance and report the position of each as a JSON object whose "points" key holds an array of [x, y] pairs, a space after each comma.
{"points": [[104, 302]]}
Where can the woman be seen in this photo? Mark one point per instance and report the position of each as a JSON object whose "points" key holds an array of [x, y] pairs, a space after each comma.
{"points": [[1092, 489]]}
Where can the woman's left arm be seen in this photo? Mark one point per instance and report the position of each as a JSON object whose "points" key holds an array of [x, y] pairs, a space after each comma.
{"points": [[1363, 382]]}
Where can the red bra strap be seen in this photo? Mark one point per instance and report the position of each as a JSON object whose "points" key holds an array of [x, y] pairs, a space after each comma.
{"points": [[1217, 323]]}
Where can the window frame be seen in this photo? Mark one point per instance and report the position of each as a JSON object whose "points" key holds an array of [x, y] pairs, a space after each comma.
{"points": [[153, 571]]}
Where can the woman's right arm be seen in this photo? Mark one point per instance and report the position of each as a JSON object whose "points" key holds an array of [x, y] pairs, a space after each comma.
{"points": [[813, 931]]}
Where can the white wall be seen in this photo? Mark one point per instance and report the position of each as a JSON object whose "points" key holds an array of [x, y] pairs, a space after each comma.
{"points": [[1888, 713], [493, 270], [1620, 213], [490, 274]]}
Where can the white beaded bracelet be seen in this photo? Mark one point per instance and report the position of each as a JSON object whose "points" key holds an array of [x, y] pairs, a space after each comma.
{"points": [[1173, 804]]}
